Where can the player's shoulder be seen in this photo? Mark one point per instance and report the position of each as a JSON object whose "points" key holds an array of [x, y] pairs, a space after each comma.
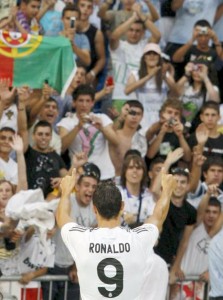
{"points": [[73, 227]]}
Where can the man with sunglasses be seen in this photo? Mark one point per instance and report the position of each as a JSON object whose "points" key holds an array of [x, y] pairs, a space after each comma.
{"points": [[130, 134]]}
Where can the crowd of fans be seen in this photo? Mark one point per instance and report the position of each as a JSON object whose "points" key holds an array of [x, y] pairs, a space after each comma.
{"points": [[146, 96]]}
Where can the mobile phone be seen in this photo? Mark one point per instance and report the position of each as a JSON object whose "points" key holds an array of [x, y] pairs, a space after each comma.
{"points": [[109, 81], [72, 22], [46, 81]]}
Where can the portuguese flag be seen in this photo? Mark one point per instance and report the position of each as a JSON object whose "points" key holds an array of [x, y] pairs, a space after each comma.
{"points": [[30, 60]]}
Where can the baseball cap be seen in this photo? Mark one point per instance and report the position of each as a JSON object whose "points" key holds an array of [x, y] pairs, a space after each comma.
{"points": [[91, 170], [152, 47]]}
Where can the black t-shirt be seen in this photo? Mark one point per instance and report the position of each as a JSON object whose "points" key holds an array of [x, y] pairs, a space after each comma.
{"points": [[41, 167], [194, 54], [173, 227], [213, 147], [169, 143]]}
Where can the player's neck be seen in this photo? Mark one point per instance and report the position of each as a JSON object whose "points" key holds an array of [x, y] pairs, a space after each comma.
{"points": [[111, 223]]}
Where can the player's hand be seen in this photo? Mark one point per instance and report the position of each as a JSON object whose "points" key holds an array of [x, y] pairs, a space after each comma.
{"points": [[168, 182], [68, 183]]}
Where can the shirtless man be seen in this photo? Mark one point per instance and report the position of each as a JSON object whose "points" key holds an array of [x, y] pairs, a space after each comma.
{"points": [[129, 135]]}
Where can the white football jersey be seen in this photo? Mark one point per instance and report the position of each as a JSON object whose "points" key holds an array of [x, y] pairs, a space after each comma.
{"points": [[111, 262]]}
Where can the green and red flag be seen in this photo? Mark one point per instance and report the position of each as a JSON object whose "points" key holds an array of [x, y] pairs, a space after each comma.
{"points": [[30, 60]]}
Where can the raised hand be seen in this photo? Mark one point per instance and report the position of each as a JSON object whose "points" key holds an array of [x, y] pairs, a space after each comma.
{"points": [[79, 159], [17, 143], [6, 95], [174, 156], [168, 182], [202, 134], [24, 93]]}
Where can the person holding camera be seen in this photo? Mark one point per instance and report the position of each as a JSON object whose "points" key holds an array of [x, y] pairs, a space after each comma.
{"points": [[151, 83], [195, 88], [84, 131], [168, 133], [202, 35]]}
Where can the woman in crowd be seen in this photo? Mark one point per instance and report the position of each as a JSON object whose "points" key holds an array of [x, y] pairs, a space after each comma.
{"points": [[151, 83], [138, 200], [194, 88]]}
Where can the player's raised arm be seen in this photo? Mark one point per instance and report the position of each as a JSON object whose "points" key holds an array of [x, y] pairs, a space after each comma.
{"points": [[63, 209], [162, 205]]}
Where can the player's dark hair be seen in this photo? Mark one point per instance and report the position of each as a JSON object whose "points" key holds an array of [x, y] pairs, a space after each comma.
{"points": [[138, 161], [108, 200], [84, 89], [202, 23], [212, 161], [42, 123], [70, 7]]}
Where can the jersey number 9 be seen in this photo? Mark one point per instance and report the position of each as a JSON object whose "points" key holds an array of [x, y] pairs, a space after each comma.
{"points": [[117, 279]]}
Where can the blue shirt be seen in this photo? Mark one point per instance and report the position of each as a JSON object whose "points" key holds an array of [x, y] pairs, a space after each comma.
{"points": [[51, 23]]}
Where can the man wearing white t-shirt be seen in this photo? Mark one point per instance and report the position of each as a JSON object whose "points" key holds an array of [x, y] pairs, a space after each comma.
{"points": [[114, 262], [8, 167], [87, 132]]}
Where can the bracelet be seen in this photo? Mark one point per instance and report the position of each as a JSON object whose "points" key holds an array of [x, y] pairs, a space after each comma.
{"points": [[21, 109], [218, 45], [92, 73]]}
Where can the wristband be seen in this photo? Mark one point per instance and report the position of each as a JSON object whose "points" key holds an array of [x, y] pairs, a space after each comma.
{"points": [[218, 45]]}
